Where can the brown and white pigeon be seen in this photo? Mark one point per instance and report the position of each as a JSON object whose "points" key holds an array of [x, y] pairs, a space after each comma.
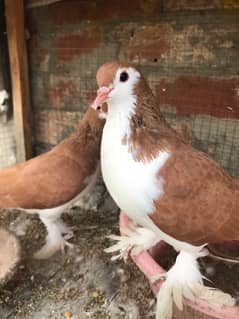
{"points": [[51, 183], [172, 191]]}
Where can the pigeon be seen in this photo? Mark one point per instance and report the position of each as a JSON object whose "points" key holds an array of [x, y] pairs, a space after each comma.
{"points": [[170, 190], [53, 182]]}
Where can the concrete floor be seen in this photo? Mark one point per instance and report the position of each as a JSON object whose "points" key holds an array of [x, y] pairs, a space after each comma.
{"points": [[82, 283]]}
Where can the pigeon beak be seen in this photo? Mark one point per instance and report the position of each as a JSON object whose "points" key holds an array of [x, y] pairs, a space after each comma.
{"points": [[102, 95]]}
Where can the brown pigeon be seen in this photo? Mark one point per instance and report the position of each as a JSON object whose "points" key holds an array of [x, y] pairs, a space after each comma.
{"points": [[172, 191], [51, 183]]}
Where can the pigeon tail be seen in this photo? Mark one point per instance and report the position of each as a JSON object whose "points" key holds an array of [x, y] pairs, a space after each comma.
{"points": [[184, 280]]}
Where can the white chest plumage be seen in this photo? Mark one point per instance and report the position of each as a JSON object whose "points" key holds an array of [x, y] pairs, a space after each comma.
{"points": [[133, 185]]}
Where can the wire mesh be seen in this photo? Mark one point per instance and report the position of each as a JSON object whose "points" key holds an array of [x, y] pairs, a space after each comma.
{"points": [[7, 144], [7, 139], [62, 90]]}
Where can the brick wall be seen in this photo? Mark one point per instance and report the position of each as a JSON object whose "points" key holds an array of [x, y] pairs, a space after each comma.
{"points": [[188, 50]]}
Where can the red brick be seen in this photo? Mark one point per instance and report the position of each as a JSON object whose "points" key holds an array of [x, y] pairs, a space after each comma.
{"points": [[74, 44], [38, 20], [150, 43], [192, 95], [75, 11], [174, 5], [38, 53], [51, 127], [161, 43], [60, 89]]}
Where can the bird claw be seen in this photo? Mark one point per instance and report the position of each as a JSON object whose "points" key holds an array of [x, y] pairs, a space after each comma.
{"points": [[56, 242], [49, 249], [66, 231], [135, 240], [121, 246], [65, 244], [68, 236]]}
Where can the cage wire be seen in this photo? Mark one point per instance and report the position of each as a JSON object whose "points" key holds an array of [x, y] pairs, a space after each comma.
{"points": [[7, 144], [7, 136], [216, 136], [67, 92]]}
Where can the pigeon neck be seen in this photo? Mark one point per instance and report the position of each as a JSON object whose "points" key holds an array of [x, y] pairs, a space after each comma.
{"points": [[147, 113], [91, 122], [88, 132]]}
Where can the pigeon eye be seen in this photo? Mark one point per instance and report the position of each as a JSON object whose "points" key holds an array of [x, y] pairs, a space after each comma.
{"points": [[124, 76]]}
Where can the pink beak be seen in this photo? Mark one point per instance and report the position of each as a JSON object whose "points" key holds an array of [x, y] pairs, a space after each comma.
{"points": [[102, 95]]}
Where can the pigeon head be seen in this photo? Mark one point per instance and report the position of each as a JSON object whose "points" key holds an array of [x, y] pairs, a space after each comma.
{"points": [[127, 94], [117, 82]]}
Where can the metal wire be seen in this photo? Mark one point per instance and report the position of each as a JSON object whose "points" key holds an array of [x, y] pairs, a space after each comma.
{"points": [[7, 144], [219, 137]]}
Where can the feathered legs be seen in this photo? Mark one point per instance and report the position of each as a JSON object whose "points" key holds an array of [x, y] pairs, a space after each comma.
{"points": [[57, 235]]}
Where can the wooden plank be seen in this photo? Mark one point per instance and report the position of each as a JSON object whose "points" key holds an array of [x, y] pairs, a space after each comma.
{"points": [[19, 77], [39, 3]]}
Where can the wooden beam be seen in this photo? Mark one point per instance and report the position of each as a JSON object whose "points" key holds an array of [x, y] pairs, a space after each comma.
{"points": [[19, 77], [39, 3]]}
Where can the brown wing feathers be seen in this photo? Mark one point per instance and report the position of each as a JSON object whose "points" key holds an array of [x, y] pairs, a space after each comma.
{"points": [[53, 178]]}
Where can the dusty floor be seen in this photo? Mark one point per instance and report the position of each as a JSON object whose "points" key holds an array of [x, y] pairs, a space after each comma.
{"points": [[83, 282]]}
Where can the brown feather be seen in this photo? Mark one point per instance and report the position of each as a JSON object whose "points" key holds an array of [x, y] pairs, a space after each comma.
{"points": [[55, 177], [106, 78], [201, 200]]}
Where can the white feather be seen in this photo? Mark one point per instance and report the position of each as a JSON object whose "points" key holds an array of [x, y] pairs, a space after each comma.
{"points": [[184, 280], [135, 239], [133, 184], [51, 218], [55, 240]]}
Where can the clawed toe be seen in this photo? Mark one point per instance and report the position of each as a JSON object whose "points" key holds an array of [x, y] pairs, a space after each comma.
{"points": [[134, 241], [67, 232], [68, 235], [65, 244], [122, 246]]}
